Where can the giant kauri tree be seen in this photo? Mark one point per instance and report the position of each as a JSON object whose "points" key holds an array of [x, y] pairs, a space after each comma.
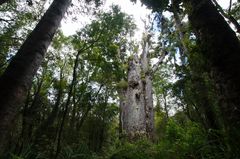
{"points": [[136, 105]]}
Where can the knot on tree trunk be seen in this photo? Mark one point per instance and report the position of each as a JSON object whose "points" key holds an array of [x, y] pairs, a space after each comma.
{"points": [[133, 84]]}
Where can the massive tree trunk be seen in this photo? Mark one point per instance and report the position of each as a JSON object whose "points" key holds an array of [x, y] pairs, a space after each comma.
{"points": [[220, 46], [134, 120], [17, 78], [137, 117]]}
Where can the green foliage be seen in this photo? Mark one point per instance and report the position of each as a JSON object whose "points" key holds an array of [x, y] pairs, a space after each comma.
{"points": [[13, 29], [28, 152], [122, 84], [180, 141], [138, 150], [16, 157], [81, 151], [142, 74]]}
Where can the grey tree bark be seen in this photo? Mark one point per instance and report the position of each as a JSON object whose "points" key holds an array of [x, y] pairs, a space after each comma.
{"points": [[146, 77], [134, 115], [137, 114]]}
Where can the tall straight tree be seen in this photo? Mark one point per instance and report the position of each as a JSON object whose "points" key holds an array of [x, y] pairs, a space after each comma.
{"points": [[17, 79]]}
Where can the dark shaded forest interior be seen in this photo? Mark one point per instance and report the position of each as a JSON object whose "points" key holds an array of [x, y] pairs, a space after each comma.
{"points": [[107, 92]]}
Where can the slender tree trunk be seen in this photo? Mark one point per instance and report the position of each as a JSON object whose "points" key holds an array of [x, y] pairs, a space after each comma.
{"points": [[50, 119], [230, 7], [221, 48], [165, 105], [122, 93], [66, 108], [54, 113], [74, 109], [89, 108], [17, 78], [83, 118]]}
